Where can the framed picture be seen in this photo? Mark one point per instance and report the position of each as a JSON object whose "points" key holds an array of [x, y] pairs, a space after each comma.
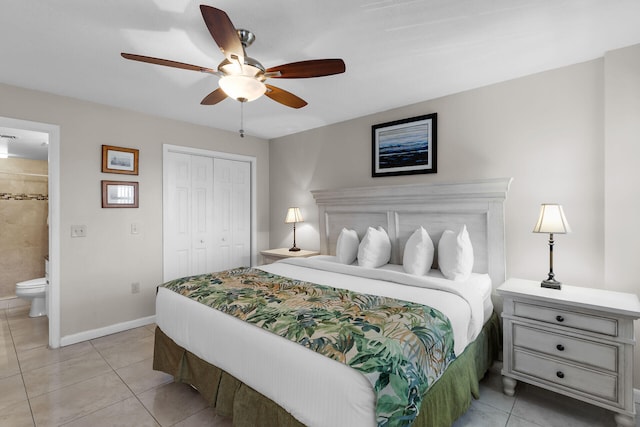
{"points": [[119, 194], [119, 160], [404, 147]]}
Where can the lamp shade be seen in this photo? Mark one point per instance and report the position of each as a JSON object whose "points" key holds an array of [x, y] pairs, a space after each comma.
{"points": [[552, 220], [293, 215], [242, 87]]}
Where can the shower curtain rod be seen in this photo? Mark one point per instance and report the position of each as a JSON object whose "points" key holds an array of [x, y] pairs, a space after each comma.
{"points": [[24, 174]]}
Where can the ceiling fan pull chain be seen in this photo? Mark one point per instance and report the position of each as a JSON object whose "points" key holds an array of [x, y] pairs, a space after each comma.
{"points": [[241, 118]]}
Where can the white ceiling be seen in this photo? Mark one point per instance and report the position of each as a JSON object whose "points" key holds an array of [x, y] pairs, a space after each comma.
{"points": [[397, 52], [24, 144]]}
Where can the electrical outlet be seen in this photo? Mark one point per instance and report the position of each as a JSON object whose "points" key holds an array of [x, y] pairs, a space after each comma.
{"points": [[135, 287], [78, 231]]}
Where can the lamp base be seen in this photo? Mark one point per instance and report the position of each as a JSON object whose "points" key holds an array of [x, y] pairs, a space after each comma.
{"points": [[551, 284], [294, 249]]}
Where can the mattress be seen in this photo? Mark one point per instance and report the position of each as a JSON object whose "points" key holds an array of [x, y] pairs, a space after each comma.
{"points": [[479, 283], [283, 370]]}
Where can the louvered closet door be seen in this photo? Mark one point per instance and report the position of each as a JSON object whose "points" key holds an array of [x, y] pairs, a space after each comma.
{"points": [[232, 213]]}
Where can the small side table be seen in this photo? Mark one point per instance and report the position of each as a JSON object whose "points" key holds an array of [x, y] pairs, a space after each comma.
{"points": [[576, 341], [273, 255]]}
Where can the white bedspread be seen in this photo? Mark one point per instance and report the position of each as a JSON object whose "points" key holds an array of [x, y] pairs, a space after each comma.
{"points": [[316, 390]]}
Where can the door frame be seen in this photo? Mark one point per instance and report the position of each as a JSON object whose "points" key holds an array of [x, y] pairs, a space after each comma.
{"points": [[253, 161], [54, 218]]}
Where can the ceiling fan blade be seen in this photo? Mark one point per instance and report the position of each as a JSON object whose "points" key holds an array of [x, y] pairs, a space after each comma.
{"points": [[167, 63], [284, 97], [306, 69], [214, 97], [223, 32]]}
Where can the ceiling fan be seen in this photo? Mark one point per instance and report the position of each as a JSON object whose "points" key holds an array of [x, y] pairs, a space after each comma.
{"points": [[242, 77]]}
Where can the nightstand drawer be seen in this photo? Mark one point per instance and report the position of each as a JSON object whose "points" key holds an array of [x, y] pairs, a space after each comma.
{"points": [[582, 380], [570, 319], [592, 353]]}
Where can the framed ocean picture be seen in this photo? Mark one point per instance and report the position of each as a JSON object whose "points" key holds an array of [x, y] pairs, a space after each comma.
{"points": [[404, 147]]}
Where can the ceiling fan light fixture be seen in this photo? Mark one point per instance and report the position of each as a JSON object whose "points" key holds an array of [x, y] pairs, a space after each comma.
{"points": [[242, 87], [250, 67], [241, 77]]}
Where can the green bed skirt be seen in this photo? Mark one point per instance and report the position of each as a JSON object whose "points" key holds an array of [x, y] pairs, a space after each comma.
{"points": [[446, 400]]}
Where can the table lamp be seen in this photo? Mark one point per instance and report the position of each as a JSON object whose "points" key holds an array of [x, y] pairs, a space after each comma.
{"points": [[552, 221], [293, 216]]}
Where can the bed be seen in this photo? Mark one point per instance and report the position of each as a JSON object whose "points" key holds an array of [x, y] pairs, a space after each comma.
{"points": [[259, 378]]}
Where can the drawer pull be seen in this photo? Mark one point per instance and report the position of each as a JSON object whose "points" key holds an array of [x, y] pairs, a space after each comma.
{"points": [[560, 347], [560, 374], [559, 318]]}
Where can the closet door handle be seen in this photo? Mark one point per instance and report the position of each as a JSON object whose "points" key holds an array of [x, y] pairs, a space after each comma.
{"points": [[559, 318], [560, 374], [560, 347]]}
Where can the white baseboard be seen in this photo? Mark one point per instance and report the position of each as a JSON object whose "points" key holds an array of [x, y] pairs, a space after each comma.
{"points": [[107, 330]]}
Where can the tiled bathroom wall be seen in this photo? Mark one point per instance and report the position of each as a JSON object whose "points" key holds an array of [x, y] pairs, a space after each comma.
{"points": [[24, 233]]}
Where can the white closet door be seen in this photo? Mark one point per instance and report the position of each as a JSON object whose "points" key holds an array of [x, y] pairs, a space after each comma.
{"points": [[202, 229], [177, 216], [207, 214], [232, 213], [188, 230]]}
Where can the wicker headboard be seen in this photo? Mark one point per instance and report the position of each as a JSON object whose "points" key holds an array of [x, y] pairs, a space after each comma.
{"points": [[401, 209]]}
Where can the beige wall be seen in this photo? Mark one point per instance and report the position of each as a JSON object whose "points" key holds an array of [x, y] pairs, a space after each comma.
{"points": [[24, 236], [569, 135], [96, 272], [622, 176], [544, 130]]}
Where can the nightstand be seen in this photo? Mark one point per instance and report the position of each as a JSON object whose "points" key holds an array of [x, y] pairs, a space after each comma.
{"points": [[273, 255], [576, 341]]}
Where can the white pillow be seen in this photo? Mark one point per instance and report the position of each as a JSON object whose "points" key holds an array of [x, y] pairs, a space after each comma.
{"points": [[455, 255], [347, 246], [375, 248], [418, 253]]}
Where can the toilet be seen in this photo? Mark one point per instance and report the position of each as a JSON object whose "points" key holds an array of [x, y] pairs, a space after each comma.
{"points": [[36, 291]]}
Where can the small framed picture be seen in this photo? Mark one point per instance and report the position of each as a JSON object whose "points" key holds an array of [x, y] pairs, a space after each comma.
{"points": [[119, 194], [119, 160], [404, 147]]}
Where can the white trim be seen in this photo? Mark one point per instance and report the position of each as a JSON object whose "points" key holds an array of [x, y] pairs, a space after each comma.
{"points": [[253, 161], [107, 330], [636, 395], [53, 308], [206, 153]]}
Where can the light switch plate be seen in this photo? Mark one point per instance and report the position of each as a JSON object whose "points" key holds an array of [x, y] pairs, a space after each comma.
{"points": [[78, 231]]}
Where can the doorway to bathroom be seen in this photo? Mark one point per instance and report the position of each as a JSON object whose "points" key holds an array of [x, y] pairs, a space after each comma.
{"points": [[14, 129]]}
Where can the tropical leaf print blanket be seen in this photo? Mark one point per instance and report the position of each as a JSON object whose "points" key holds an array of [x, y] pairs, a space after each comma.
{"points": [[401, 347]]}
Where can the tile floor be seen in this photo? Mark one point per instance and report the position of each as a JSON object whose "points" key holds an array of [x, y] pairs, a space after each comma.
{"points": [[109, 382]]}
